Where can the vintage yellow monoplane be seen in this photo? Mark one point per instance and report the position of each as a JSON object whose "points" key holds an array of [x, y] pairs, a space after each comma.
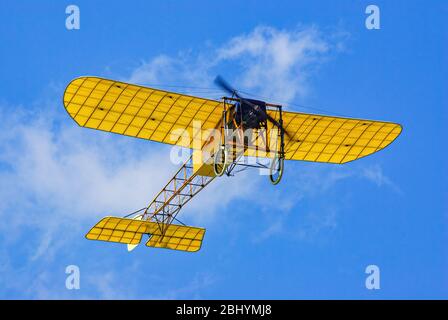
{"points": [[223, 134]]}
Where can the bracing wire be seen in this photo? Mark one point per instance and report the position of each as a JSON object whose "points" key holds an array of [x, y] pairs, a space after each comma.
{"points": [[213, 91]]}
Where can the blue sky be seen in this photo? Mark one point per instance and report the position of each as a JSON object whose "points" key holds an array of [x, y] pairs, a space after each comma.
{"points": [[312, 236]]}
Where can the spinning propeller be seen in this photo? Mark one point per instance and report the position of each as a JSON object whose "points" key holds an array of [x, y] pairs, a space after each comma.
{"points": [[220, 82]]}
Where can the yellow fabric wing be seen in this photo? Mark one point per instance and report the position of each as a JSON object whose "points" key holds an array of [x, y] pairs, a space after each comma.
{"points": [[177, 237], [138, 111], [121, 230], [169, 117], [319, 138]]}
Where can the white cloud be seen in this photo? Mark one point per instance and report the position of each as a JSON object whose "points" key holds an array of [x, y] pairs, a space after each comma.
{"points": [[376, 175], [77, 172], [185, 73], [267, 61], [276, 62]]}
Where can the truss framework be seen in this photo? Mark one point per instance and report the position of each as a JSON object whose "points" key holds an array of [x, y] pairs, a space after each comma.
{"points": [[177, 192]]}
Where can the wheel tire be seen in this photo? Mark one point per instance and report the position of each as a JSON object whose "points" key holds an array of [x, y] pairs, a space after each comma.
{"points": [[220, 161], [276, 170]]}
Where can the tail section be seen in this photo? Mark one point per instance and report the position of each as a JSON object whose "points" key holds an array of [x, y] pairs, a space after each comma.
{"points": [[131, 231]]}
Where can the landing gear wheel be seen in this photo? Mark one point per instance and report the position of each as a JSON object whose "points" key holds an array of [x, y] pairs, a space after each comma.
{"points": [[276, 170], [220, 161]]}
